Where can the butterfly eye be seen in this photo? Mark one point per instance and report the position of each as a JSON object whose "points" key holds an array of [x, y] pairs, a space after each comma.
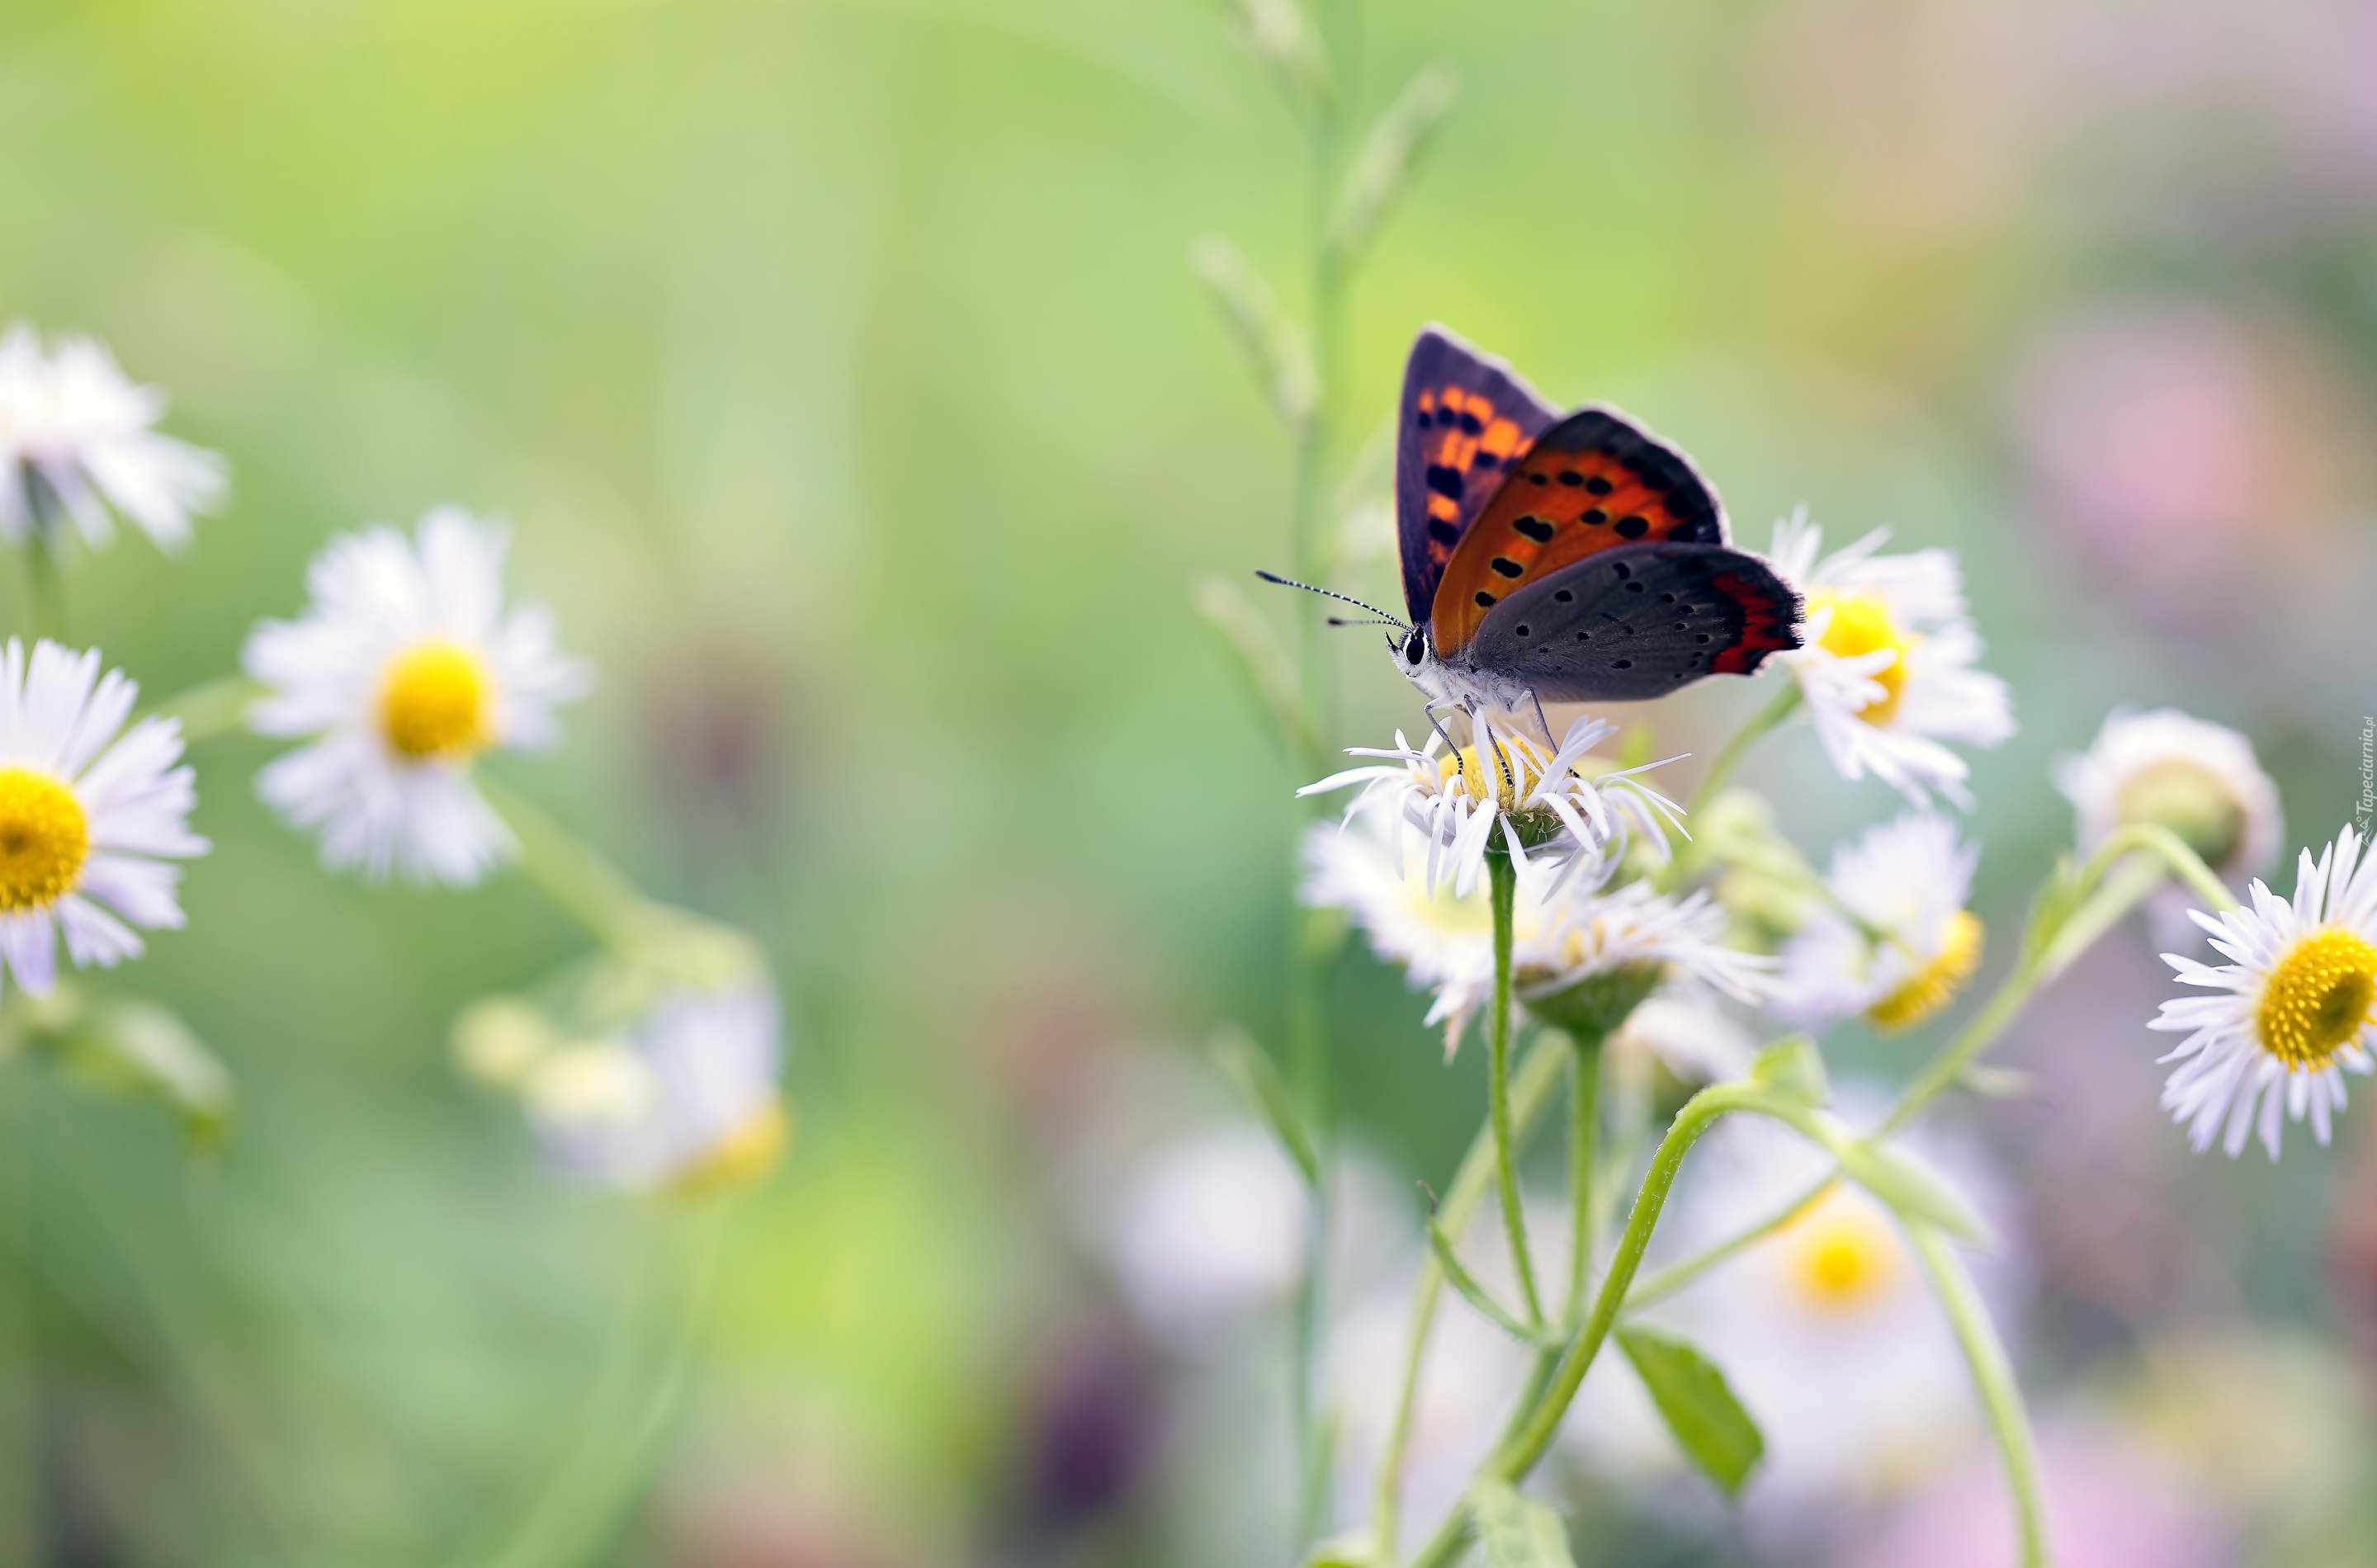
{"points": [[1416, 649]]}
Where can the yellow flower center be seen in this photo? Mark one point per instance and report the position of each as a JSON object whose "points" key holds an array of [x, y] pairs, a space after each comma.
{"points": [[2317, 999], [2191, 801], [44, 838], [1507, 774], [434, 703], [1935, 985], [743, 1156], [1862, 624], [1841, 1255]]}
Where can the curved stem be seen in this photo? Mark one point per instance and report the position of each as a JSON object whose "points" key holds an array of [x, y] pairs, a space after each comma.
{"points": [[571, 872], [211, 708], [1530, 1092], [606, 1466], [1675, 1276], [1504, 877], [1784, 703], [1993, 1377], [1531, 1435], [2111, 884]]}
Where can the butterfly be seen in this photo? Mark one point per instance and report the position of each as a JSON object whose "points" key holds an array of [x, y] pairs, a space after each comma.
{"points": [[1562, 557]]}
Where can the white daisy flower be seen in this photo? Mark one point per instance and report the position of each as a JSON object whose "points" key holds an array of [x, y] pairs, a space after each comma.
{"points": [[2199, 780], [405, 668], [89, 821], [1553, 806], [2298, 1005], [76, 438], [1886, 669], [1567, 939], [682, 1098], [1900, 944]]}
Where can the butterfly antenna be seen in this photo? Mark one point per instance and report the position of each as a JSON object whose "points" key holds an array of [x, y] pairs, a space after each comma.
{"points": [[1341, 620], [1384, 618]]}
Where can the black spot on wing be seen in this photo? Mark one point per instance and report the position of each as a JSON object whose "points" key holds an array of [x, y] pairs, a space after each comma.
{"points": [[1534, 528], [1445, 481]]}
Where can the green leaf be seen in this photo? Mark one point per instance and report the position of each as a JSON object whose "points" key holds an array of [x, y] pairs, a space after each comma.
{"points": [[133, 1047], [1913, 1193], [1708, 1422], [1248, 1068], [1516, 1530], [1382, 169], [1793, 1068], [1274, 347]]}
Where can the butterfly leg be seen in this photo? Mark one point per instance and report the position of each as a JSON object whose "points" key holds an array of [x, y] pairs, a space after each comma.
{"points": [[1549, 738]]}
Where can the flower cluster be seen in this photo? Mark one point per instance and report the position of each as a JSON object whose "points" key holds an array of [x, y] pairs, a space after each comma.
{"points": [[405, 670]]}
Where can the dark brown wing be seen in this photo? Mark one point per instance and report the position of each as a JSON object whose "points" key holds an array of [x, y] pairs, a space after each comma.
{"points": [[1465, 417]]}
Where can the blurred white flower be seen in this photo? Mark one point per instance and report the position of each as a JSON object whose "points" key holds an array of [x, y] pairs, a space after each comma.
{"points": [[2297, 1006], [682, 1098], [1827, 1331], [76, 436], [2199, 780], [1553, 808], [1684, 1027], [88, 821], [406, 667], [1900, 943], [1208, 1230], [1886, 670]]}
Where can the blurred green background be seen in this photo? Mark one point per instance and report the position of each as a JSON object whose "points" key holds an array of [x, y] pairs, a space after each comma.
{"points": [[842, 373]]}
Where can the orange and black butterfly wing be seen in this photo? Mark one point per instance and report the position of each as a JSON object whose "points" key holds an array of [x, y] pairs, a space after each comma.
{"points": [[1596, 480], [1637, 621], [1465, 417]]}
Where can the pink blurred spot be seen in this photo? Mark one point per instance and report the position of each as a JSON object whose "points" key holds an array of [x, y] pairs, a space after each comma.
{"points": [[2109, 1504]]}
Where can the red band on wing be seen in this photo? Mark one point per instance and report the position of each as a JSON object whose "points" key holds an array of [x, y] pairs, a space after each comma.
{"points": [[1768, 625]]}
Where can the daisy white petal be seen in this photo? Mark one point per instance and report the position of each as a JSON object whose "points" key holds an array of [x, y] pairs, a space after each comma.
{"points": [[1886, 671], [87, 818], [77, 438], [405, 669]]}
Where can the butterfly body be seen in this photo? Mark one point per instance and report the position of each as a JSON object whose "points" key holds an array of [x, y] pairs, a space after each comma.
{"points": [[1566, 559]]}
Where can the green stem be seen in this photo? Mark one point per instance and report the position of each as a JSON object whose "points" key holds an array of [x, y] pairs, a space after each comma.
{"points": [[20, 1492], [213, 707], [42, 582], [1531, 1435], [1784, 703], [606, 1466], [1675, 1276], [1531, 1093], [571, 872], [2109, 887], [1993, 1377], [1584, 1149], [1503, 875], [1309, 1033]]}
